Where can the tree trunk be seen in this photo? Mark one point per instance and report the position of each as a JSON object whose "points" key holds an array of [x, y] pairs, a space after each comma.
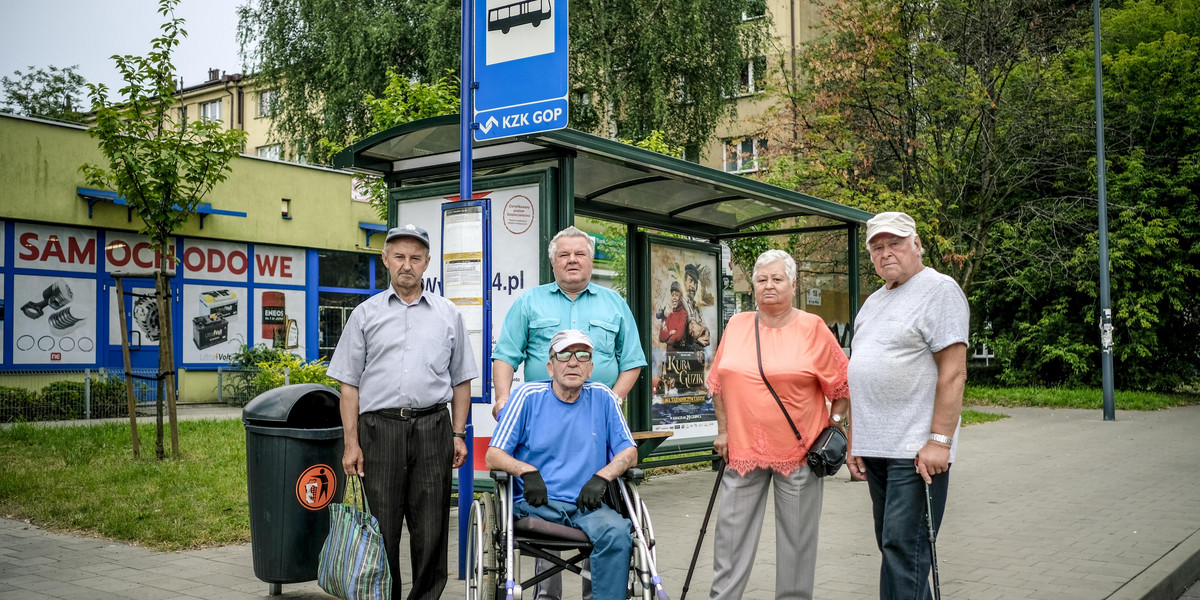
{"points": [[166, 357], [164, 342], [133, 429]]}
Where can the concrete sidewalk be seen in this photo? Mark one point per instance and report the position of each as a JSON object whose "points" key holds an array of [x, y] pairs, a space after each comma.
{"points": [[1050, 504]]}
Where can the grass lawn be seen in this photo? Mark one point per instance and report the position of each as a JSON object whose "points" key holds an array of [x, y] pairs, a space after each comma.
{"points": [[1068, 398], [85, 479]]}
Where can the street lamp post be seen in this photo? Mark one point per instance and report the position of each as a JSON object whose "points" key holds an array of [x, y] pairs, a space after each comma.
{"points": [[1106, 325]]}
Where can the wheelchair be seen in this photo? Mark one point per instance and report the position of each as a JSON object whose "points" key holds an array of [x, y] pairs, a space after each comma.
{"points": [[496, 543]]}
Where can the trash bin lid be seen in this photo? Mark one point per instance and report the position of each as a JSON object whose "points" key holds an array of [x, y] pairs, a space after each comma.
{"points": [[303, 405]]}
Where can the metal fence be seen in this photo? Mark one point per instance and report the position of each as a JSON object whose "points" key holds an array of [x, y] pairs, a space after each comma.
{"points": [[73, 395], [100, 393], [237, 386]]}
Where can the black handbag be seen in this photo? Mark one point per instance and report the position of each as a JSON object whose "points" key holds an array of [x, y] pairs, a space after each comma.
{"points": [[827, 455]]}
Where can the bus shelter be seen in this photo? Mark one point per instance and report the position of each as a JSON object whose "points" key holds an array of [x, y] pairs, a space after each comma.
{"points": [[492, 246]]}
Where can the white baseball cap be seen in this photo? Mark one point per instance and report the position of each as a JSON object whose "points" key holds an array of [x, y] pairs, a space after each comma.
{"points": [[567, 338], [895, 223]]}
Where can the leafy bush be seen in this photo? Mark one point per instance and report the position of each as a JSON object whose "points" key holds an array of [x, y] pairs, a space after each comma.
{"points": [[981, 374], [16, 403], [61, 400], [108, 397], [271, 374], [256, 369]]}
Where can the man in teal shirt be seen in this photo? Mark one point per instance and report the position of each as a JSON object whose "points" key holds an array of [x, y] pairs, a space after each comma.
{"points": [[570, 302]]}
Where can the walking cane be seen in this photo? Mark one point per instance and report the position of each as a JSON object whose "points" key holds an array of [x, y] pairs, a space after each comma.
{"points": [[703, 528], [937, 585]]}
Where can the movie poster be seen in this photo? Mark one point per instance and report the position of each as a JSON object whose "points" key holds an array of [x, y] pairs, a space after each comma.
{"points": [[683, 338]]}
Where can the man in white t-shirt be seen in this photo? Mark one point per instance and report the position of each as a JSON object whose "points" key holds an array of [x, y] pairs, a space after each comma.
{"points": [[908, 367]]}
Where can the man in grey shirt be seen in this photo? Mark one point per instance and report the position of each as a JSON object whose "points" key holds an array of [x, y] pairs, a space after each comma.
{"points": [[908, 367], [402, 357]]}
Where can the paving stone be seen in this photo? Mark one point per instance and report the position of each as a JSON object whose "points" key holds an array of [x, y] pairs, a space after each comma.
{"points": [[1048, 504]]}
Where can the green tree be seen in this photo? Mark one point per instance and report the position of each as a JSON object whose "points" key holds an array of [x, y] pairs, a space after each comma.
{"points": [[50, 93], [402, 101], [163, 168], [946, 110], [1045, 308], [643, 65]]}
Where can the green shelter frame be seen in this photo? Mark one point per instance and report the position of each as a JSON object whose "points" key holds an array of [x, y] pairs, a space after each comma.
{"points": [[590, 176]]}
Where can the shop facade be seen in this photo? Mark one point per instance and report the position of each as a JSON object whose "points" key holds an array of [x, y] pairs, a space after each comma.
{"points": [[278, 255]]}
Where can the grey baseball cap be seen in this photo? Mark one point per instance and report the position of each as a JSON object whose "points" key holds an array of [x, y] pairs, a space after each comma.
{"points": [[409, 231]]}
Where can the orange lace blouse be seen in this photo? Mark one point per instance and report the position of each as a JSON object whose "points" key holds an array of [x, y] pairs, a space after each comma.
{"points": [[804, 363]]}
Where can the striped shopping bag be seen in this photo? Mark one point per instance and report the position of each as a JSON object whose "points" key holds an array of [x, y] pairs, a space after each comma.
{"points": [[353, 564]]}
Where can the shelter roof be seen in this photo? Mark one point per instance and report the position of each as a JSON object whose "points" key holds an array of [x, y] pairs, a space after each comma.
{"points": [[611, 180]]}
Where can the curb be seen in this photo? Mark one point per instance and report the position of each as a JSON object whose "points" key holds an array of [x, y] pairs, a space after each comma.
{"points": [[1168, 577]]}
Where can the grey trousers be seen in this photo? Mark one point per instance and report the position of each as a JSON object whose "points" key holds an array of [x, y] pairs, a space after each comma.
{"points": [[739, 526]]}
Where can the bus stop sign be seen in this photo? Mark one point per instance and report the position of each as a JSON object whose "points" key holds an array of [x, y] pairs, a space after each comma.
{"points": [[521, 67]]}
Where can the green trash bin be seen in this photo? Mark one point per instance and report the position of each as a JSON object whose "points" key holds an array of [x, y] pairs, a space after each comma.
{"points": [[293, 472]]}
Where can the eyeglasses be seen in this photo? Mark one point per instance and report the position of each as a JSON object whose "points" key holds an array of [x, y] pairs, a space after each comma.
{"points": [[580, 355]]}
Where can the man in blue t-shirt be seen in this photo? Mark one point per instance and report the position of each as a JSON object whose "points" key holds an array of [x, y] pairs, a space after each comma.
{"points": [[555, 438]]}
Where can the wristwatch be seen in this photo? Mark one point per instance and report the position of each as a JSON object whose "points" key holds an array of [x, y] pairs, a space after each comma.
{"points": [[941, 439], [460, 434], [836, 418]]}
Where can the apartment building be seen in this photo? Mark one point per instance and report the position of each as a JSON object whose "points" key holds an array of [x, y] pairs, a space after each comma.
{"points": [[740, 146], [235, 101]]}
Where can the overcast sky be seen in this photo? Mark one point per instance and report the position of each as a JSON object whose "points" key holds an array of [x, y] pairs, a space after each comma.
{"points": [[62, 33]]}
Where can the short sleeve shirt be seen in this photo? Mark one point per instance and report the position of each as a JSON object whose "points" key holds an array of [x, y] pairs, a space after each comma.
{"points": [[567, 442], [892, 373], [403, 355], [545, 310]]}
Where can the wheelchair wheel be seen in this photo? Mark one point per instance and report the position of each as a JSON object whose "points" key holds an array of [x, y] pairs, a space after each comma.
{"points": [[482, 549]]}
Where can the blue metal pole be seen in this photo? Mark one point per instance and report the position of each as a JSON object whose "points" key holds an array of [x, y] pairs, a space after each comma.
{"points": [[1106, 325], [466, 473]]}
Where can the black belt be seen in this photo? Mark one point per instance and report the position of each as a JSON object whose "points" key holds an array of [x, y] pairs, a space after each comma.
{"points": [[408, 412]]}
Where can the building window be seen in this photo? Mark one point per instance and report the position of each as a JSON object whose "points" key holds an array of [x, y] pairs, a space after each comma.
{"points": [[346, 270], [742, 154], [343, 281], [271, 151], [266, 103], [333, 310], [754, 9], [754, 77], [211, 111]]}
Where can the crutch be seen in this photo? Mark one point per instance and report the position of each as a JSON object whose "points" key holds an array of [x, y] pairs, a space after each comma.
{"points": [[703, 528], [509, 585], [647, 551], [937, 585]]}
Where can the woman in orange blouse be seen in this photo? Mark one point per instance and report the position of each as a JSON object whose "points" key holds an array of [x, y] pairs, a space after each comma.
{"points": [[805, 366]]}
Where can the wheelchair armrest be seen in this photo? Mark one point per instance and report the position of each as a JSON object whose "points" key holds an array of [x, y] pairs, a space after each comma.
{"points": [[499, 476], [634, 476]]}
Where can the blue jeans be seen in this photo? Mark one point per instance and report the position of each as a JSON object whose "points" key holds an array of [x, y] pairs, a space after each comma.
{"points": [[611, 542], [898, 502]]}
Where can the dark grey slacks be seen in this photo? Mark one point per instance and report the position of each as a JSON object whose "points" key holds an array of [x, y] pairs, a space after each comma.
{"points": [[407, 478]]}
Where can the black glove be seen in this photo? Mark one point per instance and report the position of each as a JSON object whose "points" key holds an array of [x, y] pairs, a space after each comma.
{"points": [[592, 494], [535, 488]]}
